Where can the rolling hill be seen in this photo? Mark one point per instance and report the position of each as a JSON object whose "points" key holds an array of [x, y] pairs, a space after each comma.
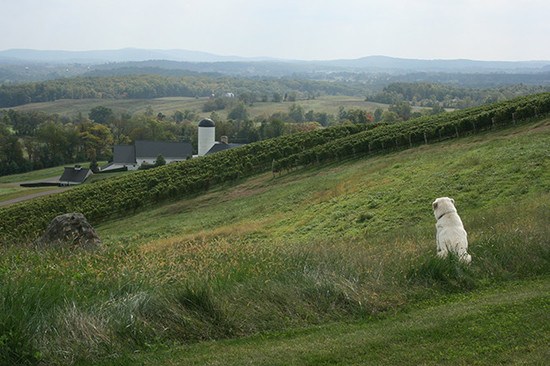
{"points": [[333, 262]]}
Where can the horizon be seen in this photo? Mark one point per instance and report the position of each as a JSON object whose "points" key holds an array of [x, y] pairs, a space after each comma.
{"points": [[310, 30], [260, 58]]}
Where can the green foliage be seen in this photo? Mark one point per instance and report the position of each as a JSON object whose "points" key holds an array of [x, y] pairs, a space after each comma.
{"points": [[101, 114], [448, 96], [127, 194], [157, 86], [160, 161], [239, 112], [422, 130]]}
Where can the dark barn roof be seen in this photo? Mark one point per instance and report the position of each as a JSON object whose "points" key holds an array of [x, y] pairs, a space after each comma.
{"points": [[74, 174], [220, 146], [124, 154], [169, 150]]}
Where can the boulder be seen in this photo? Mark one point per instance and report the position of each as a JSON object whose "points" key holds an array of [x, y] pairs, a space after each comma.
{"points": [[70, 230]]}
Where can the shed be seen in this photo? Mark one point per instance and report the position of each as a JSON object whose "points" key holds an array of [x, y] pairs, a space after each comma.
{"points": [[74, 175]]}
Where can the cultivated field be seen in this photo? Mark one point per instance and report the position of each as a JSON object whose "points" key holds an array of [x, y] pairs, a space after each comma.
{"points": [[168, 106]]}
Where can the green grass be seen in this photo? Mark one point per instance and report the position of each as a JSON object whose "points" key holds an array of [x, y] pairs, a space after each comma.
{"points": [[331, 264], [11, 192], [40, 174], [168, 106], [508, 326]]}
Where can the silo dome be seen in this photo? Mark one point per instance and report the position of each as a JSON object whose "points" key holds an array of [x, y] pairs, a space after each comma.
{"points": [[206, 122], [207, 135]]}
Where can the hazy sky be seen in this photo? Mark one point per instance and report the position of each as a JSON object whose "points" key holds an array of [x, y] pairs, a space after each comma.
{"points": [[298, 29]]}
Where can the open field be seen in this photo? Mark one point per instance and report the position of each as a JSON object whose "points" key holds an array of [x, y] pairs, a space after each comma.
{"points": [[168, 106], [11, 190], [331, 264]]}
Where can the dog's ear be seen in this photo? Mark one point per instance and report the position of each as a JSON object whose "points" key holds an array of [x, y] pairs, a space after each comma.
{"points": [[434, 205], [453, 201]]}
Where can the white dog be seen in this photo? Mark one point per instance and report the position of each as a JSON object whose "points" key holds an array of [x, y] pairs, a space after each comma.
{"points": [[451, 236]]}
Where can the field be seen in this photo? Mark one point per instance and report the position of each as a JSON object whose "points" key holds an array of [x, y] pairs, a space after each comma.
{"points": [[168, 106], [10, 189], [331, 264]]}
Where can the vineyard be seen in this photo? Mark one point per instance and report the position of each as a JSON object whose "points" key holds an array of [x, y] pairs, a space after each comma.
{"points": [[422, 130], [119, 196]]}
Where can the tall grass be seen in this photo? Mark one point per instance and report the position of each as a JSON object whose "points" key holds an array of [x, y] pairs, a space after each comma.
{"points": [[67, 307]]}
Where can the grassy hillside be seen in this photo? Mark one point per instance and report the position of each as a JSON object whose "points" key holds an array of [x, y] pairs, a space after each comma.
{"points": [[348, 242]]}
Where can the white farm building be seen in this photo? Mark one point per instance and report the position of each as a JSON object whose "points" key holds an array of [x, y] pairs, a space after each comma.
{"points": [[133, 156]]}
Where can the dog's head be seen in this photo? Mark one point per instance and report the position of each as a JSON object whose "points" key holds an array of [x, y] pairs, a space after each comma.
{"points": [[442, 206]]}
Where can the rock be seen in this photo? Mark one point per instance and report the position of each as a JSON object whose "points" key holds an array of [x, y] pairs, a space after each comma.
{"points": [[70, 230]]}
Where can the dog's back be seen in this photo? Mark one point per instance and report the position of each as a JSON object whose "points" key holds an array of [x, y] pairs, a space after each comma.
{"points": [[451, 235]]}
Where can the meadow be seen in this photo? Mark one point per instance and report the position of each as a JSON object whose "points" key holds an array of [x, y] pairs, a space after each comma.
{"points": [[71, 108], [330, 264]]}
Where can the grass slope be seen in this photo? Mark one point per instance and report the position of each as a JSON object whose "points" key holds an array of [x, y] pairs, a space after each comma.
{"points": [[352, 242], [510, 325]]}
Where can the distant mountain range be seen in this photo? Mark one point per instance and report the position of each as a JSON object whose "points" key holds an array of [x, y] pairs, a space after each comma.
{"points": [[365, 64]]}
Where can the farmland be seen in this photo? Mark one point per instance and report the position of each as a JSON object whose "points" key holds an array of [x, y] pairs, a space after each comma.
{"points": [[71, 108], [321, 261]]}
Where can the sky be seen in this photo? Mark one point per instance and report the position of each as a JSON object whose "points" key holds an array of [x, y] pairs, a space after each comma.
{"points": [[491, 30]]}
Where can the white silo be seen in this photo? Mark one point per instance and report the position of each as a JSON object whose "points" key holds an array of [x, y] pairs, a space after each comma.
{"points": [[207, 135]]}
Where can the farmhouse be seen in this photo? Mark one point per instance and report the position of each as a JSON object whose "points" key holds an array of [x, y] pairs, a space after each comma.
{"points": [[146, 152], [74, 175], [131, 157]]}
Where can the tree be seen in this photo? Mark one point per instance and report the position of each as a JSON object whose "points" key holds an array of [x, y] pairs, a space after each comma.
{"points": [[359, 116], [94, 167], [273, 128], [96, 140], [101, 114], [277, 97], [403, 109], [149, 111], [390, 116], [296, 113], [178, 116], [378, 114], [342, 114], [55, 144], [239, 112], [11, 153], [160, 160]]}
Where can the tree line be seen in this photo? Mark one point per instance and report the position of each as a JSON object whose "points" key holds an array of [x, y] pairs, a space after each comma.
{"points": [[448, 96], [158, 86]]}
